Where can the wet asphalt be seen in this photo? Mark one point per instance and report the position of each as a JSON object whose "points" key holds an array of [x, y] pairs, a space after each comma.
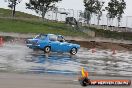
{"points": [[16, 57]]}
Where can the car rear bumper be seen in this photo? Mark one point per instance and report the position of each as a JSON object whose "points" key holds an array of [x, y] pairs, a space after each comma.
{"points": [[33, 46]]}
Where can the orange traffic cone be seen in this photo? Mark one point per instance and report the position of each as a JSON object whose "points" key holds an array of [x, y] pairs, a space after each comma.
{"points": [[113, 51], [93, 50], [84, 73], [1, 41]]}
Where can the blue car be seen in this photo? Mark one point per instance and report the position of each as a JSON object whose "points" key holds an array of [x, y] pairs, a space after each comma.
{"points": [[52, 43]]}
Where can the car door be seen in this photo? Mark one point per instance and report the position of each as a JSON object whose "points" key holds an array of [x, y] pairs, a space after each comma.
{"points": [[55, 45], [63, 46], [41, 41]]}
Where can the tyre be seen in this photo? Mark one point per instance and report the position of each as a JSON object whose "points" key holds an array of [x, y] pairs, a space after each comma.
{"points": [[73, 51], [47, 49]]}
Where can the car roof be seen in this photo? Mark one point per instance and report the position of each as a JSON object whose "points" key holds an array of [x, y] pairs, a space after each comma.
{"points": [[49, 34], [54, 34]]}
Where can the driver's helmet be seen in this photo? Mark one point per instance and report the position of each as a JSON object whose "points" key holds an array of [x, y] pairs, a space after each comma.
{"points": [[60, 38]]}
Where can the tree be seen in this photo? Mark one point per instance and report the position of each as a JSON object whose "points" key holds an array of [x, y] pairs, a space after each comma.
{"points": [[12, 5], [120, 10], [112, 9], [116, 9], [41, 5], [85, 15], [98, 9], [89, 9], [93, 6]]}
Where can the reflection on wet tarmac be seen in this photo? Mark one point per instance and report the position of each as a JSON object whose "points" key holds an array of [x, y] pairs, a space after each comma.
{"points": [[18, 58]]}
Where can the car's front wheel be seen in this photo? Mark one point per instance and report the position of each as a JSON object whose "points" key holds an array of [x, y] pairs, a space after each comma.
{"points": [[73, 51], [47, 49]]}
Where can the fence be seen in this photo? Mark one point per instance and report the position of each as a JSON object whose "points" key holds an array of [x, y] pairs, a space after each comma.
{"points": [[105, 23]]}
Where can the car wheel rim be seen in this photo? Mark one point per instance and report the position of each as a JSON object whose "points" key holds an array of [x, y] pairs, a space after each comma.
{"points": [[47, 49]]}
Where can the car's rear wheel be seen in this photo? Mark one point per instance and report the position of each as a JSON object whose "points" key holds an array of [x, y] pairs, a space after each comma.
{"points": [[73, 51], [47, 49]]}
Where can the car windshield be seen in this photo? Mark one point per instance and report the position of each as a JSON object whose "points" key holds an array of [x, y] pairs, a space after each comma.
{"points": [[41, 36]]}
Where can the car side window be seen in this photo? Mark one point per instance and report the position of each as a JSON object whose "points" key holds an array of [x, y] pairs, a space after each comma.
{"points": [[53, 38], [43, 37]]}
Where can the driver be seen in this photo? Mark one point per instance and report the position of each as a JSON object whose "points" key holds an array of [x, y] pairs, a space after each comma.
{"points": [[60, 38]]}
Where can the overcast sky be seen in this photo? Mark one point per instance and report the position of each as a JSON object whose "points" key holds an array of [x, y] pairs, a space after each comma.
{"points": [[68, 4]]}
